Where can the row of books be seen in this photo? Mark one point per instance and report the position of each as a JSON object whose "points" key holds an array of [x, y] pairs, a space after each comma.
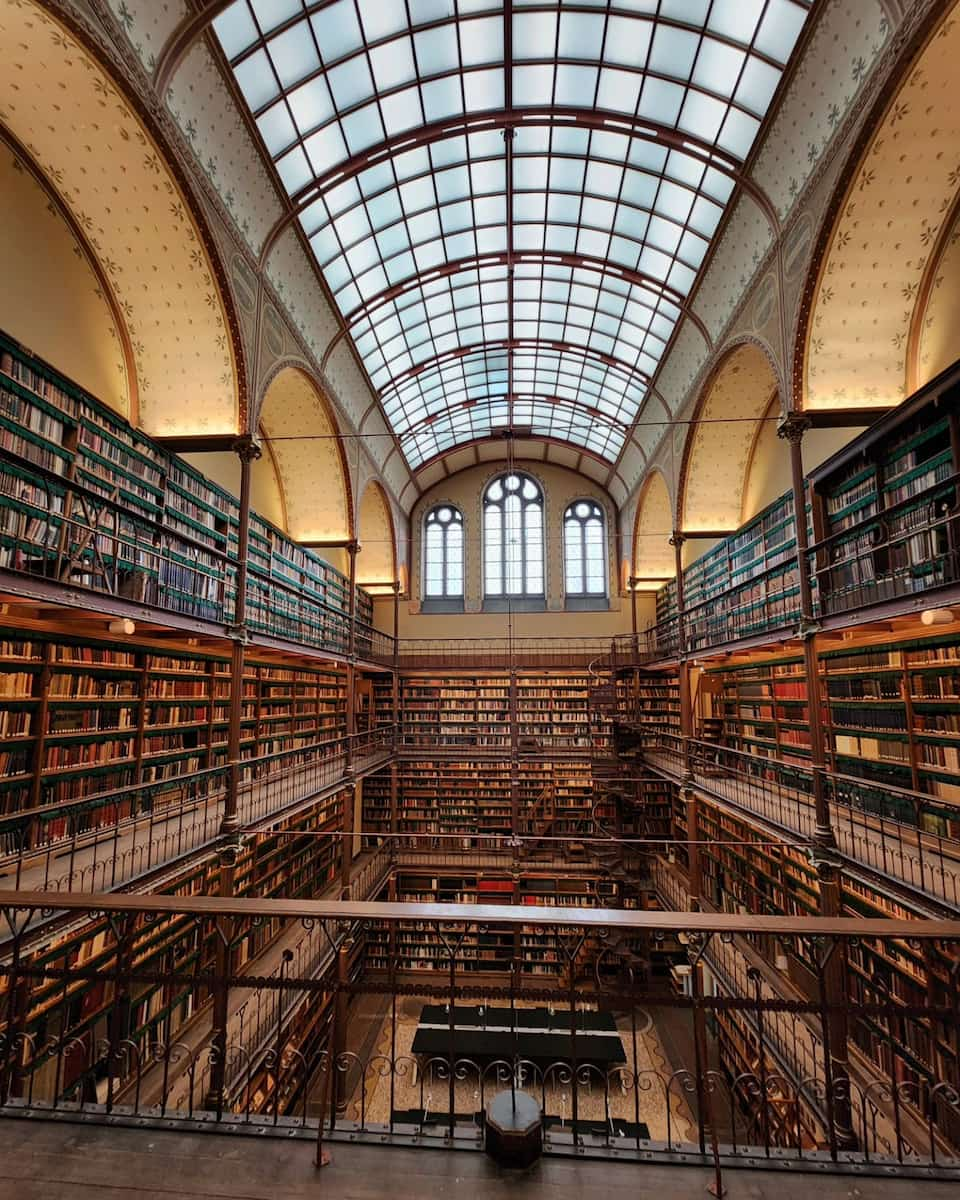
{"points": [[40, 384], [864, 687], [94, 753]]}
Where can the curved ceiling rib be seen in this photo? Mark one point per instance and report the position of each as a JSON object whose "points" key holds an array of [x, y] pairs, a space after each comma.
{"points": [[510, 202]]}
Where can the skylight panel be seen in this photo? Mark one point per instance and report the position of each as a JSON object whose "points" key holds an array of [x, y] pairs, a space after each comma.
{"points": [[393, 64], [256, 79], [610, 223], [271, 13], [780, 28], [481, 41], [293, 54], [236, 29]]}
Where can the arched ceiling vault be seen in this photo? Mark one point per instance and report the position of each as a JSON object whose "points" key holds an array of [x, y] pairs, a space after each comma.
{"points": [[308, 458], [721, 439], [879, 306], [536, 185], [377, 559], [653, 556], [58, 102]]}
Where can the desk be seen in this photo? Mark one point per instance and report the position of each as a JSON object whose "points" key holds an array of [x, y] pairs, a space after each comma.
{"points": [[539, 1038]]}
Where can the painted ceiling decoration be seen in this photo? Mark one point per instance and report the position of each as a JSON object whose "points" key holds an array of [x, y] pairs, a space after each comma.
{"points": [[58, 102], [895, 217], [510, 202]]}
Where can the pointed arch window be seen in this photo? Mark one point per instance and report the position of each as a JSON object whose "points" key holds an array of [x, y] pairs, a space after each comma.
{"points": [[513, 543], [584, 555], [443, 559]]}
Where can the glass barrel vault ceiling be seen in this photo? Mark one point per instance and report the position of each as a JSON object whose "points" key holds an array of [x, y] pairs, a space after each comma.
{"points": [[509, 202]]}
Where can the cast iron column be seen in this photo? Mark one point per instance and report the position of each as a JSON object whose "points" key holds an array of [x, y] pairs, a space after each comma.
{"points": [[823, 852]]}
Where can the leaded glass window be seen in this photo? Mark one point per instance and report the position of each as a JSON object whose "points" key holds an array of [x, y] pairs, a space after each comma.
{"points": [[584, 551], [513, 538], [443, 553]]}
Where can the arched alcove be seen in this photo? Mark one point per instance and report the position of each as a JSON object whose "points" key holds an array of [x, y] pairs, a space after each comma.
{"points": [[720, 442], [377, 560], [59, 307], [864, 345], [304, 443], [113, 180], [653, 556]]}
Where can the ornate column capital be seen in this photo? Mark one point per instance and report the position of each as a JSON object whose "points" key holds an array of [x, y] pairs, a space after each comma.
{"points": [[677, 538], [793, 426], [248, 449]]}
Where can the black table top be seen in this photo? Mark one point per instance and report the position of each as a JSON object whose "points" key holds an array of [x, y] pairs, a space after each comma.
{"points": [[538, 1038], [469, 1015]]}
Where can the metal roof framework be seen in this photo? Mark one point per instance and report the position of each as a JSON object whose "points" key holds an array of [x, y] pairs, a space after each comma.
{"points": [[510, 203]]}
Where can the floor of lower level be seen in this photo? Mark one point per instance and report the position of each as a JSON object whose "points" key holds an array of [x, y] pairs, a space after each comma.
{"points": [[53, 1161]]}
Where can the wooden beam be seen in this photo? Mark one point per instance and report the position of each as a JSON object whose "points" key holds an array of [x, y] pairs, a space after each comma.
{"points": [[844, 418], [485, 914], [198, 443]]}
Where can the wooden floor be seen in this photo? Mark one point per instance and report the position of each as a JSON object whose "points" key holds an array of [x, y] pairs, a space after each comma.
{"points": [[48, 1161]]}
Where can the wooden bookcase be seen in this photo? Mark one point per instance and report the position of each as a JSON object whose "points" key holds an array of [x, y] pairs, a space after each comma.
{"points": [[86, 499], [84, 717], [891, 715], [744, 585], [885, 507], [274, 865], [489, 949]]}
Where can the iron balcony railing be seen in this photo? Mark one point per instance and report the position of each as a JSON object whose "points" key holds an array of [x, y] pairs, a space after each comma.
{"points": [[80, 1038], [105, 841], [904, 836]]}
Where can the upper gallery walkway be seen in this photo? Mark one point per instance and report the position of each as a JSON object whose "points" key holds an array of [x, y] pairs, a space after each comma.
{"points": [[890, 834]]}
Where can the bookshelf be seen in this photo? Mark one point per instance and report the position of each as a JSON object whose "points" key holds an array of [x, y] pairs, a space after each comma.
{"points": [[553, 711], [882, 525], [649, 700], [270, 866], [891, 716], [377, 793], [885, 506], [489, 949], [86, 717], [746, 584], [86, 499]]}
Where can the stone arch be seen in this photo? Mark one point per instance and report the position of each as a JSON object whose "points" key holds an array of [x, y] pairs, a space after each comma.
{"points": [[302, 435], [934, 342], [377, 560], [62, 307], [58, 101], [886, 224], [719, 445], [653, 557]]}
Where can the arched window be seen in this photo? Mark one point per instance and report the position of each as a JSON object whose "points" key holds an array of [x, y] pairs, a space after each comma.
{"points": [[513, 543], [443, 559], [584, 555]]}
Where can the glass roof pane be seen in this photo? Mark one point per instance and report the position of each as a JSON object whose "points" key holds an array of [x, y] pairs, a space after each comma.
{"points": [[293, 54], [507, 270], [236, 29]]}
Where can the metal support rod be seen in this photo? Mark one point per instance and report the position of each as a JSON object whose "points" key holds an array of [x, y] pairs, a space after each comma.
{"points": [[247, 451], [632, 585], [824, 854], [340, 1045]]}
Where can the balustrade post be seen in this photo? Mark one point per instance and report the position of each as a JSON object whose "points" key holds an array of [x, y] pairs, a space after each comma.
{"points": [[340, 1078], [691, 804], [632, 585], [687, 793], [683, 667], [223, 935], [395, 669]]}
